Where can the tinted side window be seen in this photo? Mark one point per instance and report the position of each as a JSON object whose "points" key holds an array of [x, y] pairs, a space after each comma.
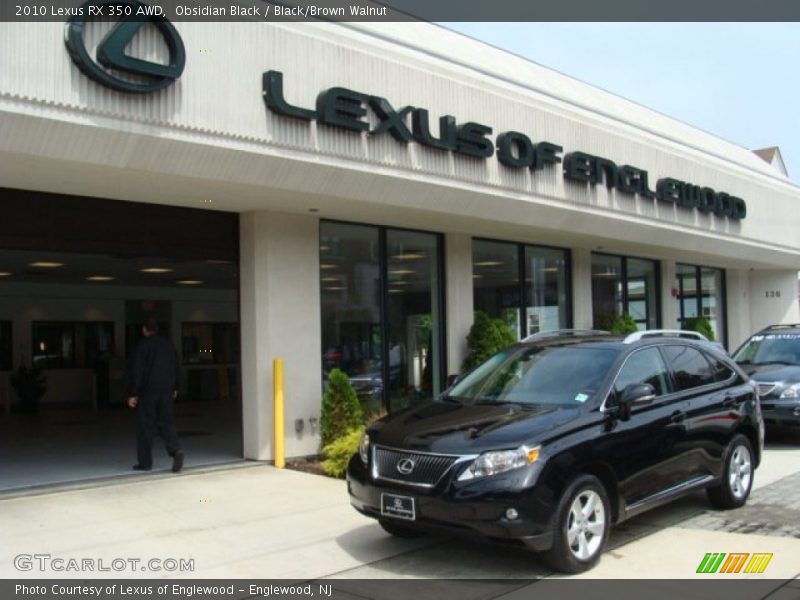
{"points": [[722, 372], [644, 366], [689, 366]]}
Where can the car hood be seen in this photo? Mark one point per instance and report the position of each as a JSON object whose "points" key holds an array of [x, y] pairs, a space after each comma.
{"points": [[772, 373], [450, 428]]}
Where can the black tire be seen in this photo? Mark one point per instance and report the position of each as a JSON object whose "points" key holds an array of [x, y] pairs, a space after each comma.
{"points": [[398, 529], [737, 476], [565, 556]]}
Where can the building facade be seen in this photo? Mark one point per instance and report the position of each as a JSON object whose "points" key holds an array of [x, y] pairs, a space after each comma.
{"points": [[390, 180]]}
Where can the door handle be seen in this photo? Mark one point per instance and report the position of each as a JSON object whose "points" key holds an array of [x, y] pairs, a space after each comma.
{"points": [[730, 400], [678, 416]]}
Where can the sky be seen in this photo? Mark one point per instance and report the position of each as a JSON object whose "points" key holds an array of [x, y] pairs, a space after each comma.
{"points": [[738, 81]]}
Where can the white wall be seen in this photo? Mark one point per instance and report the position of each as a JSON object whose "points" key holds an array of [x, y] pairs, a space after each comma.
{"points": [[460, 299], [773, 298]]}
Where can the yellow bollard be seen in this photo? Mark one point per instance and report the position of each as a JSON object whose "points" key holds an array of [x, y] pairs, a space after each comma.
{"points": [[277, 397]]}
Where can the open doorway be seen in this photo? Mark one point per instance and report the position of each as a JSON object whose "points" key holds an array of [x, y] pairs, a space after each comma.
{"points": [[76, 283]]}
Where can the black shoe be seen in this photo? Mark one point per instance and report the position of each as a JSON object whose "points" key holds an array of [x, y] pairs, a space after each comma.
{"points": [[142, 468], [177, 462]]}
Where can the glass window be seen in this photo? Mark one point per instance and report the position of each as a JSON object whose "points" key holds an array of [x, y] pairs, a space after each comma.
{"points": [[624, 285], [689, 367], [210, 343], [545, 289], [644, 366], [5, 346], [350, 286], [531, 375], [722, 372], [501, 280], [708, 302], [413, 317], [495, 282], [773, 348], [58, 345], [382, 312]]}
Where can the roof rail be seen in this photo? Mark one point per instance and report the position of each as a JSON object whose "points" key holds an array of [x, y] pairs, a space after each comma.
{"points": [[782, 326], [565, 333], [680, 333]]}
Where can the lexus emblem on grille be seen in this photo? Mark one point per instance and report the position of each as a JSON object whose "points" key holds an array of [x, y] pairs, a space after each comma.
{"points": [[405, 466]]}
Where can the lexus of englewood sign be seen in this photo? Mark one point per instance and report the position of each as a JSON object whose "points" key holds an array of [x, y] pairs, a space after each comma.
{"points": [[347, 109], [341, 107]]}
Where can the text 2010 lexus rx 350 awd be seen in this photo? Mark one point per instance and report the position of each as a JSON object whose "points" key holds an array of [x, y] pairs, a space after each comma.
{"points": [[551, 442]]}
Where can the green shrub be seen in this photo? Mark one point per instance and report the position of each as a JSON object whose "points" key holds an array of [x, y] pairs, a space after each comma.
{"points": [[486, 337], [341, 411], [338, 452], [623, 325], [699, 324]]}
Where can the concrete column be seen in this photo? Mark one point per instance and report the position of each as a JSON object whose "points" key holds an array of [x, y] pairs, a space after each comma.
{"points": [[737, 303], [582, 317], [460, 302], [669, 305], [280, 318]]}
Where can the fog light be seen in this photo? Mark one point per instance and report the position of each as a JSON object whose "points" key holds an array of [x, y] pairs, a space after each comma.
{"points": [[512, 514]]}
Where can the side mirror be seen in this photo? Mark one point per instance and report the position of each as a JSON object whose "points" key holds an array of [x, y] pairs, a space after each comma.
{"points": [[638, 393], [635, 394]]}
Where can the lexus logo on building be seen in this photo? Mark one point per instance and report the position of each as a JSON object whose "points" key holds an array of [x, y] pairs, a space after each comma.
{"points": [[405, 466], [111, 57]]}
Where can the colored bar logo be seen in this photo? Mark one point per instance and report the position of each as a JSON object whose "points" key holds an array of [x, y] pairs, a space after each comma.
{"points": [[735, 562]]}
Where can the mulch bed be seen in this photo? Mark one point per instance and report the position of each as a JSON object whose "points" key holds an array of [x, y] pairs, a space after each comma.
{"points": [[310, 464]]}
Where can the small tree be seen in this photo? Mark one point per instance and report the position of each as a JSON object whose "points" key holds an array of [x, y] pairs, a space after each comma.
{"points": [[486, 337], [700, 325], [341, 411], [623, 325]]}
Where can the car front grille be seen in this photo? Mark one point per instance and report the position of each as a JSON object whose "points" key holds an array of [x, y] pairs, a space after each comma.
{"points": [[426, 469], [765, 389]]}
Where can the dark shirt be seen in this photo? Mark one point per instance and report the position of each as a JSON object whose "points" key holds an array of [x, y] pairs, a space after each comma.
{"points": [[154, 367]]}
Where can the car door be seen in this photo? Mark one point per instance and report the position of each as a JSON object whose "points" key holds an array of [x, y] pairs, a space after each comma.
{"points": [[716, 405], [645, 449]]}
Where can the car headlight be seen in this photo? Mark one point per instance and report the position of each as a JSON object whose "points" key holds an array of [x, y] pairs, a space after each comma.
{"points": [[792, 392], [492, 463], [363, 448]]}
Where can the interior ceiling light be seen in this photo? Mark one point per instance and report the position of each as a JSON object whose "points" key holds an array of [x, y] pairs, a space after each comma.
{"points": [[46, 264], [489, 263], [409, 256], [5, 273], [217, 261], [155, 270], [189, 282], [550, 270], [400, 282], [325, 267], [100, 278], [329, 279], [324, 248], [395, 291], [333, 288], [401, 272]]}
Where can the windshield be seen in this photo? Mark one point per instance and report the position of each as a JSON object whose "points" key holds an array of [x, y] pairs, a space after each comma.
{"points": [[534, 375], [782, 348]]}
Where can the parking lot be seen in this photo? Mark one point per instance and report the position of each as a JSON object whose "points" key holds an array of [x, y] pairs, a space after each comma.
{"points": [[254, 521]]}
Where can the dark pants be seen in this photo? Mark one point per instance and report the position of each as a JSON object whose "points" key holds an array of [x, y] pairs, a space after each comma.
{"points": [[154, 415]]}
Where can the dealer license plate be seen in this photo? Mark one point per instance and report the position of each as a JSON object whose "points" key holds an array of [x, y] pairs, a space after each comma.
{"points": [[400, 507]]}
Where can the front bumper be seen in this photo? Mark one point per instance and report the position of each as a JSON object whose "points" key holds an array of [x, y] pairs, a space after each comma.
{"points": [[472, 508], [781, 412]]}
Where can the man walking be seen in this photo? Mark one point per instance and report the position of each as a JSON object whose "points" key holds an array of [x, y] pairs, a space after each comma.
{"points": [[152, 388]]}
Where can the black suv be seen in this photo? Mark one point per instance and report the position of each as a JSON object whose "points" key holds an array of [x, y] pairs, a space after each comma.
{"points": [[550, 442], [772, 359]]}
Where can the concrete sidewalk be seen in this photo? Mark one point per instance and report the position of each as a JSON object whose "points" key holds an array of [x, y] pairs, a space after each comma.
{"points": [[259, 522]]}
